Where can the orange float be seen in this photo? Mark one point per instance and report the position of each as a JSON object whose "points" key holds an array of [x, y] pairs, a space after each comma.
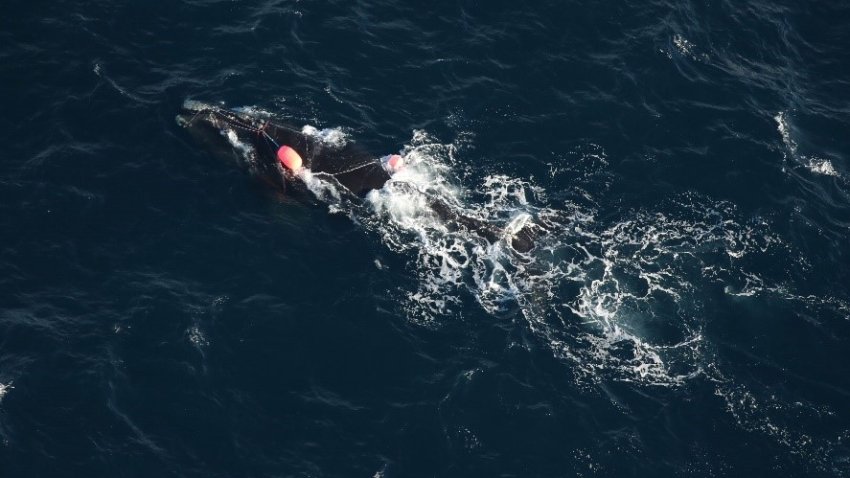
{"points": [[289, 158]]}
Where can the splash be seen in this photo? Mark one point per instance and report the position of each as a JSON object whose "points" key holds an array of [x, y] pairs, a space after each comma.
{"points": [[196, 336], [246, 149], [332, 136], [681, 46], [821, 166], [813, 164], [781, 119], [4, 389]]}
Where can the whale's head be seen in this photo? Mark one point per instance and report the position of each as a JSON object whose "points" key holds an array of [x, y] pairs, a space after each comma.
{"points": [[236, 136]]}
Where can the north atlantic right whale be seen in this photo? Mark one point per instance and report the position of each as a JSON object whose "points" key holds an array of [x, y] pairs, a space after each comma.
{"points": [[280, 152]]}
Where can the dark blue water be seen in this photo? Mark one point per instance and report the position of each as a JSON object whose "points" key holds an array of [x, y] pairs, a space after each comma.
{"points": [[688, 314]]}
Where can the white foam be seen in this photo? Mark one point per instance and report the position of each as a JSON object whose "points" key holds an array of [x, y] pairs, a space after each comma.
{"points": [[197, 337], [253, 111], [645, 270], [683, 45], [814, 164], [821, 166], [196, 106], [246, 149], [4, 389], [325, 190], [686, 48], [781, 119], [380, 473], [331, 136]]}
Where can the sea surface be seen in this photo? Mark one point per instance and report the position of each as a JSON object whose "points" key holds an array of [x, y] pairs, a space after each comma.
{"points": [[686, 313]]}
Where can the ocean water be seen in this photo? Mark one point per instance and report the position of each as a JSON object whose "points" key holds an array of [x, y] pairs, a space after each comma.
{"points": [[687, 313]]}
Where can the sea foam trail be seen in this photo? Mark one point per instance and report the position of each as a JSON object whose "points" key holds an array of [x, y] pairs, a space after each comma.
{"points": [[620, 300]]}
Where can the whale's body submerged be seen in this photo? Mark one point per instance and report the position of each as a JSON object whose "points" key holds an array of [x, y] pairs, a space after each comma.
{"points": [[254, 141]]}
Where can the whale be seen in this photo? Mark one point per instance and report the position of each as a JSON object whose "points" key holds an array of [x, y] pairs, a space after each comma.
{"points": [[255, 141]]}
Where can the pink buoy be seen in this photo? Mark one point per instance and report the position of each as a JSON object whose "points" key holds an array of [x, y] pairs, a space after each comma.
{"points": [[289, 158], [395, 162]]}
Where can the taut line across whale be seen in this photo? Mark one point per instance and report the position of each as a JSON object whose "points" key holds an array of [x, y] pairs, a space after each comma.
{"points": [[281, 153]]}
